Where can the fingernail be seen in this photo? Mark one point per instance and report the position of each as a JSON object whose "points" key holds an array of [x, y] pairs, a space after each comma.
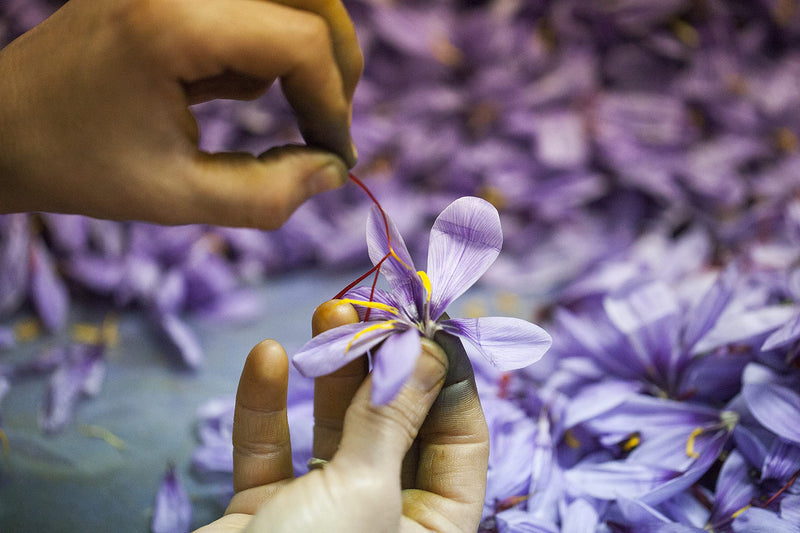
{"points": [[351, 162], [430, 370], [329, 176]]}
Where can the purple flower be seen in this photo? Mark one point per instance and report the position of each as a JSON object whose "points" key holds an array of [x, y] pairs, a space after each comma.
{"points": [[464, 241], [173, 509]]}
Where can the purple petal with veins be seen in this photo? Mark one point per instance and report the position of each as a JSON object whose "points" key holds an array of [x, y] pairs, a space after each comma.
{"points": [[173, 509], [332, 349], [776, 407], [393, 363], [465, 240], [508, 343], [402, 279]]}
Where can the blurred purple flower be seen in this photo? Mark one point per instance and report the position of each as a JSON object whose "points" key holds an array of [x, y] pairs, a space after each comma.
{"points": [[81, 373], [465, 240], [173, 509]]}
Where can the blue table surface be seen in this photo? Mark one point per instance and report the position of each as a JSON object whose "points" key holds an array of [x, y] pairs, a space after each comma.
{"points": [[73, 482]]}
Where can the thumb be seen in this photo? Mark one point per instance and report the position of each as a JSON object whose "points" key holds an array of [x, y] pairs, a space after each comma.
{"points": [[379, 436], [238, 189]]}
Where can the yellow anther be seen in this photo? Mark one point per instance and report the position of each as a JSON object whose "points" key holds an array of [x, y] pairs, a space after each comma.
{"points": [[371, 305], [392, 252], [6, 445], [571, 440], [86, 333], [426, 282], [98, 432], [26, 330], [388, 324], [631, 442], [690, 443], [740, 511]]}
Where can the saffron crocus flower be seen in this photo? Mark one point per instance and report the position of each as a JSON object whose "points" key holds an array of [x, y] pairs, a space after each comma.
{"points": [[465, 240]]}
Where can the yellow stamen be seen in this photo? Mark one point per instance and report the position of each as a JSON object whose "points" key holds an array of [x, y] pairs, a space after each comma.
{"points": [[388, 324], [98, 432], [571, 440], [632, 442], [6, 445], [26, 330], [391, 251], [86, 333], [740, 511], [426, 282], [690, 443], [371, 305]]}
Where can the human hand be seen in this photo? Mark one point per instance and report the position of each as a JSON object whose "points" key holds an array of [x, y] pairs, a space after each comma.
{"points": [[416, 464], [95, 119]]}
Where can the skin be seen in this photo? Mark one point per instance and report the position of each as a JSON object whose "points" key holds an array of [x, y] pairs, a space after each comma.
{"points": [[95, 117], [416, 464]]}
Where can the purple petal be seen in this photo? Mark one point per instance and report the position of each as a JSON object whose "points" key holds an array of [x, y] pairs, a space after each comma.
{"points": [[381, 296], [705, 313], [183, 338], [508, 343], [236, 306], [597, 399], [393, 363], [648, 315], [790, 508], [72, 378], [403, 279], [615, 479], [755, 520], [332, 349], [775, 407], [785, 335], [580, 517], [173, 509], [48, 291], [7, 338], [67, 233], [745, 327], [465, 240], [518, 521], [97, 273], [14, 253]]}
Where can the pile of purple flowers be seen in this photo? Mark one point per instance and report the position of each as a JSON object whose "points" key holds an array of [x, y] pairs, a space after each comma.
{"points": [[645, 162]]}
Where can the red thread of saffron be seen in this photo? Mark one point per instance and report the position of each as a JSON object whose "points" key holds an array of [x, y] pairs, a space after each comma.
{"points": [[780, 491], [377, 268]]}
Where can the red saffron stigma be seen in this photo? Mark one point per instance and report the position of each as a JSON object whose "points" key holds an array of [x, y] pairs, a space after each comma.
{"points": [[377, 268], [781, 490]]}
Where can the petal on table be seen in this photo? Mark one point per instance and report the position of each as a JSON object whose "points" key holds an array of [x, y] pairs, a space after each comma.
{"points": [[393, 363], [508, 343], [173, 509], [332, 349], [183, 338], [48, 291], [465, 240]]}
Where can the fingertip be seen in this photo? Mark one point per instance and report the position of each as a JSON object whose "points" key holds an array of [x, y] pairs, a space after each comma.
{"points": [[265, 376], [332, 314]]}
